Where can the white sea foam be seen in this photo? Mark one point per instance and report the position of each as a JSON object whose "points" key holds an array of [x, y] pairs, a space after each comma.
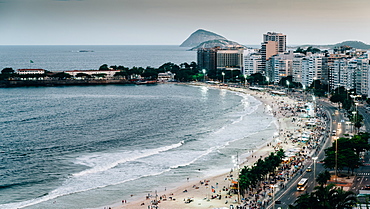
{"points": [[128, 167], [101, 162]]}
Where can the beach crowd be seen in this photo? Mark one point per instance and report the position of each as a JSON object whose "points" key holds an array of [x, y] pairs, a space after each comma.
{"points": [[300, 135]]}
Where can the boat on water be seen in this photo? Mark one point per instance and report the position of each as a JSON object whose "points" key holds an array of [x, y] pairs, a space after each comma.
{"points": [[142, 82], [85, 51]]}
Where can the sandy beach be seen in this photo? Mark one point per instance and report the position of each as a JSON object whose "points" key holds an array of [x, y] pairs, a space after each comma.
{"points": [[201, 193]]}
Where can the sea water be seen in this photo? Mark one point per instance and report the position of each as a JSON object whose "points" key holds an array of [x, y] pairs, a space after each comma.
{"points": [[75, 57], [92, 146]]}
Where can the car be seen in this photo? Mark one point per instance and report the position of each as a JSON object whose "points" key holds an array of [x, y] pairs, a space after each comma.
{"points": [[309, 169]]}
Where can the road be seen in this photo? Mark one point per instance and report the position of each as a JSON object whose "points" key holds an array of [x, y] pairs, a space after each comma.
{"points": [[289, 194], [361, 181]]}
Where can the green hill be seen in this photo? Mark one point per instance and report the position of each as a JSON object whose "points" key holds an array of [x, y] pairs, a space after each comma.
{"points": [[353, 44]]}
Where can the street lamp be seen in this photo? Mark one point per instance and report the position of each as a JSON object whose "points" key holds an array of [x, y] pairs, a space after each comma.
{"points": [[273, 195], [236, 165], [354, 121], [245, 80], [314, 170], [223, 77], [287, 83], [204, 75], [336, 160]]}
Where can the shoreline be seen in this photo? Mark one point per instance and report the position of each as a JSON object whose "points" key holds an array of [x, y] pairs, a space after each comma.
{"points": [[200, 191]]}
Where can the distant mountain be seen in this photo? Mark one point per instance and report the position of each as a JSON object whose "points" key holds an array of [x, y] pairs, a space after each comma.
{"points": [[218, 42], [199, 37], [354, 44]]}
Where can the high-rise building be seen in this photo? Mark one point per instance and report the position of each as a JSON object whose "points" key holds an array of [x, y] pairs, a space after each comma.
{"points": [[277, 37], [279, 66], [206, 58], [361, 76], [252, 63], [230, 59], [311, 69], [297, 67], [268, 49], [273, 43]]}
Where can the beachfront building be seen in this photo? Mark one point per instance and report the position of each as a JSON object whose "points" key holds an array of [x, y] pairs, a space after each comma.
{"points": [[230, 59], [360, 68], [297, 67], [338, 73], [103, 73], [30, 71], [279, 66], [214, 60], [279, 38], [273, 43], [252, 63], [333, 74], [166, 77], [206, 58], [268, 49], [311, 69], [351, 73]]}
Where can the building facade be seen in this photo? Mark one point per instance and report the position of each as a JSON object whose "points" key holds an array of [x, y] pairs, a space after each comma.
{"points": [[279, 38], [30, 71], [206, 58], [230, 59]]}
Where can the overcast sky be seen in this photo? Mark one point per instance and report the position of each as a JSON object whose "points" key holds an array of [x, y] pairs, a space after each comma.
{"points": [[170, 22]]}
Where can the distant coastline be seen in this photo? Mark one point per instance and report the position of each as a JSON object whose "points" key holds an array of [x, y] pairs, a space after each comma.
{"points": [[49, 83]]}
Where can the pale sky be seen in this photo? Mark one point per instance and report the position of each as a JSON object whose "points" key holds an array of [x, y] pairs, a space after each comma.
{"points": [[170, 22]]}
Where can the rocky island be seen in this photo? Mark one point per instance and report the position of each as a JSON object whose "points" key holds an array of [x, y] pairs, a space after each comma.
{"points": [[206, 39]]}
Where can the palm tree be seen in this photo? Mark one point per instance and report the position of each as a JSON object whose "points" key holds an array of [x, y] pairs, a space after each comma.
{"points": [[323, 194], [329, 197], [306, 201], [344, 199], [323, 178]]}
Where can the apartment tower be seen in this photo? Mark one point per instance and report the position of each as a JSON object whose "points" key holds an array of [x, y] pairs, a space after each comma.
{"points": [[273, 43], [277, 37]]}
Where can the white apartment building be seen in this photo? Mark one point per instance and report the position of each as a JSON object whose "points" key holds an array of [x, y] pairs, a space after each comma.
{"points": [[297, 67], [339, 74], [361, 74], [351, 73], [279, 66], [311, 69], [252, 63]]}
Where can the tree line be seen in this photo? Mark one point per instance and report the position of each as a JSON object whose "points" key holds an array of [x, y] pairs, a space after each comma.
{"points": [[183, 72], [346, 152], [250, 177]]}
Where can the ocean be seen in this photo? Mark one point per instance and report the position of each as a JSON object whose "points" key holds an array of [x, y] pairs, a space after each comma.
{"points": [[76, 57], [93, 146]]}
